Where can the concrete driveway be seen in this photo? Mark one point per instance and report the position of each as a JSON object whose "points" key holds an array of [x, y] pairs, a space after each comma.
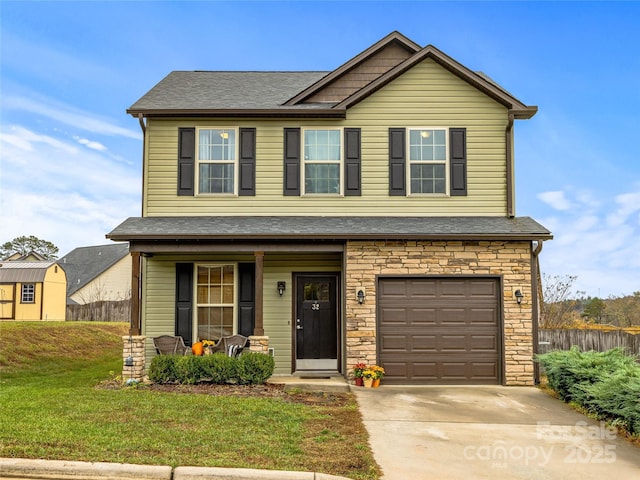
{"points": [[489, 433]]}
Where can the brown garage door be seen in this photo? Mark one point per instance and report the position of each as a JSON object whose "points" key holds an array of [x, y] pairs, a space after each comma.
{"points": [[439, 330]]}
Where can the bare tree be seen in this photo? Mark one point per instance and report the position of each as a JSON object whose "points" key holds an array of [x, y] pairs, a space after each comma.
{"points": [[557, 310]]}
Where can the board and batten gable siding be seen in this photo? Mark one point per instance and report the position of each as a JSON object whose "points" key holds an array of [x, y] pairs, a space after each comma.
{"points": [[427, 95], [158, 306]]}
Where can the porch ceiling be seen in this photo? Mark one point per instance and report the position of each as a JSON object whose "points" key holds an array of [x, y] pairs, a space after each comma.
{"points": [[319, 228]]}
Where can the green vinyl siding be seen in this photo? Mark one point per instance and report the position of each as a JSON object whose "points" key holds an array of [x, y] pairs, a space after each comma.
{"points": [[158, 307], [425, 96]]}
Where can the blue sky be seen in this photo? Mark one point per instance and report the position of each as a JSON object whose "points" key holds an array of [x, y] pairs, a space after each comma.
{"points": [[70, 157]]}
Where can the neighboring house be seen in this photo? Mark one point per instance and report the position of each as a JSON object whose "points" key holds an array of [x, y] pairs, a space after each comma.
{"points": [[29, 257], [360, 215], [32, 290], [98, 273]]}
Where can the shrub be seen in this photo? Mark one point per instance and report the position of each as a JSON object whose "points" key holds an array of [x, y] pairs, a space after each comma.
{"points": [[218, 368], [189, 369], [569, 371], [163, 369], [248, 368], [254, 368], [606, 384]]}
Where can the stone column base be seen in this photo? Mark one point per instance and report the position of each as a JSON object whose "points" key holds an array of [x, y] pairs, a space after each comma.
{"points": [[259, 344], [133, 346]]}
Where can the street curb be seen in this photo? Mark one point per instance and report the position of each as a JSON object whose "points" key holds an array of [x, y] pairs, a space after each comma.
{"points": [[62, 469], [26, 469]]}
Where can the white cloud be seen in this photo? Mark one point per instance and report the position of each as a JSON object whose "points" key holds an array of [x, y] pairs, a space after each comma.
{"points": [[58, 192], [90, 144], [68, 115], [556, 200], [597, 241]]}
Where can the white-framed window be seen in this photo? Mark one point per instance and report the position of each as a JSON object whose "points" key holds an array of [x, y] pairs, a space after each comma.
{"points": [[217, 159], [322, 161], [428, 159], [28, 293], [215, 300]]}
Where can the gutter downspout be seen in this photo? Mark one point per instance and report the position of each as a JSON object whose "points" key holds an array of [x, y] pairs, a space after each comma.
{"points": [[508, 133], [144, 151], [536, 288]]}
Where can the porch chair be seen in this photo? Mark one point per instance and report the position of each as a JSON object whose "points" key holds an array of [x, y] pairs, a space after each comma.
{"points": [[232, 345], [168, 345]]}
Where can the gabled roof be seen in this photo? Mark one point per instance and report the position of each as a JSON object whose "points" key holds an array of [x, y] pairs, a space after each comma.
{"points": [[84, 264], [299, 94], [393, 38], [479, 80], [24, 271]]}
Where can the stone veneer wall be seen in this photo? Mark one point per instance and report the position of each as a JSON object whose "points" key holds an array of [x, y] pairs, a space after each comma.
{"points": [[512, 260]]}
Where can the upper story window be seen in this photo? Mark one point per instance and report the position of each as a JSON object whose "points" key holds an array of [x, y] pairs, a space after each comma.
{"points": [[217, 160], [28, 293], [428, 160], [322, 161]]}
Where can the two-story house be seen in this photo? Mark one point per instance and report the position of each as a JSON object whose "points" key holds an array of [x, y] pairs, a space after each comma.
{"points": [[360, 215]]}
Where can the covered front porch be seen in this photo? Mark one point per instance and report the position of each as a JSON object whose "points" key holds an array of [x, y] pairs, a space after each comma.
{"points": [[287, 297]]}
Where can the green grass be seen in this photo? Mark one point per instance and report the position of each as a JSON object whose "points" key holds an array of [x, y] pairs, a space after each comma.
{"points": [[52, 409]]}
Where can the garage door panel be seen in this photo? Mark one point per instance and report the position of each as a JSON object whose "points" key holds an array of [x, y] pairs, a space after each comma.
{"points": [[483, 343], [452, 288], [422, 289], [443, 330], [391, 315], [482, 288]]}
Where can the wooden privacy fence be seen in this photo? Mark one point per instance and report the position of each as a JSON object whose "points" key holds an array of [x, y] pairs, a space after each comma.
{"points": [[104, 311], [587, 340]]}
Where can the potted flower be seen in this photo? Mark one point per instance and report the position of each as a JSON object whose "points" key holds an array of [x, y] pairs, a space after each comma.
{"points": [[378, 374], [208, 346], [367, 377], [358, 370]]}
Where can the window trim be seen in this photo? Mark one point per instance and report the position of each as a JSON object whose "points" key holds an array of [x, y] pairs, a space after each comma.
{"points": [[303, 162], [196, 304], [24, 294], [446, 163], [235, 163]]}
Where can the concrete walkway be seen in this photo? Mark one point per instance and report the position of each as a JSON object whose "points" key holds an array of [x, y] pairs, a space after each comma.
{"points": [[515, 433]]}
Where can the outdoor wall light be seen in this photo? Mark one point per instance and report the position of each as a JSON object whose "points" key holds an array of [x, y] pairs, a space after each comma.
{"points": [[519, 296], [128, 362], [282, 286], [360, 296]]}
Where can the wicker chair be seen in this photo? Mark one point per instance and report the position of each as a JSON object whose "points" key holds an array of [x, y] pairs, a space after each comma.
{"points": [[232, 345], [168, 345]]}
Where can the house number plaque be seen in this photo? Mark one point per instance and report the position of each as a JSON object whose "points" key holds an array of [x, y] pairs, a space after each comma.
{"points": [[315, 306]]}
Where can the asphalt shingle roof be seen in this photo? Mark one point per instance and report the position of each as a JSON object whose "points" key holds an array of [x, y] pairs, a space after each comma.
{"points": [[83, 264], [327, 228], [198, 90]]}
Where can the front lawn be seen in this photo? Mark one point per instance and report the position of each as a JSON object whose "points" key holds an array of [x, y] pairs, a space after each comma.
{"points": [[56, 405]]}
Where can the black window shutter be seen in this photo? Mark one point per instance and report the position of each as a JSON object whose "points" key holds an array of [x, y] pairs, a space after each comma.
{"points": [[458, 161], [184, 301], [186, 160], [246, 298], [247, 164], [291, 161], [352, 162], [397, 159]]}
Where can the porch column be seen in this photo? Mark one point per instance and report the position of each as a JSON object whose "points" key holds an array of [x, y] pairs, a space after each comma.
{"points": [[258, 329], [134, 326]]}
